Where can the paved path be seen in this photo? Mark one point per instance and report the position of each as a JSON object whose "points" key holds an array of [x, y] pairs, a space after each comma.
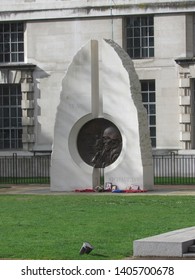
{"points": [[45, 190]]}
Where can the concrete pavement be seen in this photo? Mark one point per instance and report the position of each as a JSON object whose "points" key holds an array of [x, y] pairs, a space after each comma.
{"points": [[44, 189]]}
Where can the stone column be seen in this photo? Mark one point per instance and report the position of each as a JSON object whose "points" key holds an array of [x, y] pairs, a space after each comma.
{"points": [[185, 108], [27, 88]]}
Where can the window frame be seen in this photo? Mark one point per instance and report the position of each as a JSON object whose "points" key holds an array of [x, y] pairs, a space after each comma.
{"points": [[10, 117], [12, 42], [148, 92], [139, 36]]}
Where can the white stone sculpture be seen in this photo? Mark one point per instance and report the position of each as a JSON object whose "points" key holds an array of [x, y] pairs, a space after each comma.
{"points": [[101, 84]]}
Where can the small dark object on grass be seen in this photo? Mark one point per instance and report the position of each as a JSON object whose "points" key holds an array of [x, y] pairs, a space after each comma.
{"points": [[86, 248]]}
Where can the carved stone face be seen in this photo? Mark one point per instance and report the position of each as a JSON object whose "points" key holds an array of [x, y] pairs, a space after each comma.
{"points": [[99, 143], [110, 135]]}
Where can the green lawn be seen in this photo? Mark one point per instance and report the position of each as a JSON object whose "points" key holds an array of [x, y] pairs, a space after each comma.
{"points": [[174, 180], [24, 180], [54, 227]]}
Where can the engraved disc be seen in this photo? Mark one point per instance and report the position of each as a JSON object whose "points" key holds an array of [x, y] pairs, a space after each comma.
{"points": [[99, 142]]}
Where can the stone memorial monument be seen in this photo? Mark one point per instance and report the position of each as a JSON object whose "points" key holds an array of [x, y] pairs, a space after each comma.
{"points": [[101, 125]]}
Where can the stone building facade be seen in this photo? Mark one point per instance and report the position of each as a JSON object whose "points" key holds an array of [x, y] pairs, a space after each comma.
{"points": [[38, 39]]}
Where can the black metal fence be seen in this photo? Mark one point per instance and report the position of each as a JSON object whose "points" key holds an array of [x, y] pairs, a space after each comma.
{"points": [[168, 169], [174, 169], [25, 169]]}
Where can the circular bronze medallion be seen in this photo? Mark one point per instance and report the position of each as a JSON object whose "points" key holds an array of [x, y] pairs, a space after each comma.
{"points": [[99, 142]]}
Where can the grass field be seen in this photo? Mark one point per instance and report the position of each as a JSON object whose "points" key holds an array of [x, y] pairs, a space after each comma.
{"points": [[174, 180], [54, 227], [24, 180]]}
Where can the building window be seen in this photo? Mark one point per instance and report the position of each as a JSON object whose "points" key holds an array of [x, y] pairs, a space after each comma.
{"points": [[10, 116], [11, 42], [140, 36], [149, 102]]}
